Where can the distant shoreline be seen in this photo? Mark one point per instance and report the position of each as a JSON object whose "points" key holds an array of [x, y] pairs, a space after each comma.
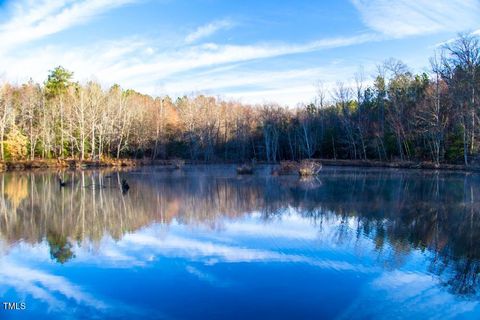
{"points": [[26, 165], [398, 165], [69, 164]]}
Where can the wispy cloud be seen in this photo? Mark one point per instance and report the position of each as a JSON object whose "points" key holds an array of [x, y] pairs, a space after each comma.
{"points": [[141, 63], [208, 55], [415, 17], [137, 63], [33, 20], [289, 86], [208, 30]]}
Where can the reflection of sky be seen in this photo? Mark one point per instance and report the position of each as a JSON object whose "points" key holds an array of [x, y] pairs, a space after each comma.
{"points": [[284, 268]]}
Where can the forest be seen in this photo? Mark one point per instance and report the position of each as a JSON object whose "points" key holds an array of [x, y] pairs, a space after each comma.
{"points": [[399, 116]]}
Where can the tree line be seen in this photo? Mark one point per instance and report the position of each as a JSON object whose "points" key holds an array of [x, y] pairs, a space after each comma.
{"points": [[400, 116]]}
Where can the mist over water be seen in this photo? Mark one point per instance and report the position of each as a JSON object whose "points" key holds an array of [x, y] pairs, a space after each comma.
{"points": [[202, 242]]}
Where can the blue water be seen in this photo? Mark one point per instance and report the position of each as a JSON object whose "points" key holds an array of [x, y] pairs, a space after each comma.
{"points": [[204, 243]]}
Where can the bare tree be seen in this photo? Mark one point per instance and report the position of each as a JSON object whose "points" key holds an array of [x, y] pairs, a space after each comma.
{"points": [[460, 64]]}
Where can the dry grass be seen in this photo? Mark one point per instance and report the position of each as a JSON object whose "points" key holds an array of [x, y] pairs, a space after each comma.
{"points": [[286, 168], [304, 168]]}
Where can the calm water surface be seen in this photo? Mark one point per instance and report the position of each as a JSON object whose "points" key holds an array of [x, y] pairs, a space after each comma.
{"points": [[204, 243]]}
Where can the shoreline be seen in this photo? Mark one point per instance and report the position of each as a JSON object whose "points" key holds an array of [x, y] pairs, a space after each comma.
{"points": [[398, 165], [26, 165], [71, 164]]}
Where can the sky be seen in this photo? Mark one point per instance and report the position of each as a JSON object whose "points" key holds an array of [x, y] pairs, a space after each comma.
{"points": [[251, 51]]}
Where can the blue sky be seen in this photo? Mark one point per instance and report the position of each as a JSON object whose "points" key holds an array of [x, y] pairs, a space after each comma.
{"points": [[252, 51]]}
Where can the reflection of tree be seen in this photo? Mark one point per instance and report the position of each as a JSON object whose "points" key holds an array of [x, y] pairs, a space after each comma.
{"points": [[16, 190], [414, 210], [60, 247], [400, 211]]}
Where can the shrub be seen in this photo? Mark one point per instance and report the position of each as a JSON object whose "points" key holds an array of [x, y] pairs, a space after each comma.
{"points": [[178, 163], [245, 169], [309, 168], [16, 144]]}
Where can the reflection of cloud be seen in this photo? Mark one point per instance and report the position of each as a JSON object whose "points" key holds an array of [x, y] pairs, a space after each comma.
{"points": [[144, 246], [115, 257], [418, 291], [420, 295], [298, 228], [207, 277], [44, 286], [412, 283], [191, 248], [210, 252], [290, 240]]}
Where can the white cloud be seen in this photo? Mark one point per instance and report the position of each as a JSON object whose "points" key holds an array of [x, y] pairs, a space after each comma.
{"points": [[207, 55], [208, 30], [415, 17], [33, 20], [136, 63], [141, 64], [290, 86]]}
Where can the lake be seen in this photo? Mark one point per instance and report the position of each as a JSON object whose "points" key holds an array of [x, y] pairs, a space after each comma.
{"points": [[202, 242]]}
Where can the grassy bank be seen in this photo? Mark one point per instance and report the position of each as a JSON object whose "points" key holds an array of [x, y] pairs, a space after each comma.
{"points": [[73, 164]]}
